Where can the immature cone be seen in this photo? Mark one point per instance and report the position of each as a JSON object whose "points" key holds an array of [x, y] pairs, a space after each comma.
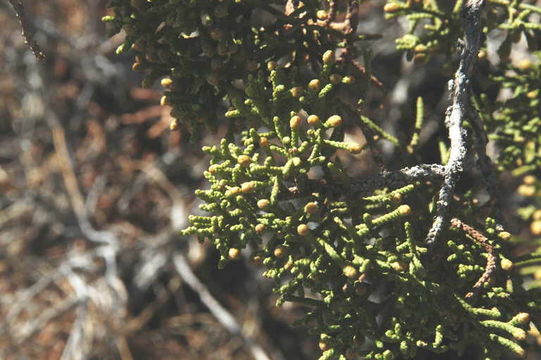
{"points": [[295, 121], [529, 180], [506, 264], [311, 208], [234, 253], [420, 48], [166, 82], [314, 85], [535, 227], [328, 57], [323, 346], [482, 54], [303, 229], [333, 121], [233, 191], [263, 141], [526, 190], [349, 271], [279, 252], [247, 186], [322, 14], [244, 160], [391, 8], [263, 203], [404, 209], [271, 65], [288, 265], [312, 120], [259, 228]]}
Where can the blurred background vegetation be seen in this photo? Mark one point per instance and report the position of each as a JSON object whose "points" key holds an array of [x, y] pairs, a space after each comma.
{"points": [[94, 188]]}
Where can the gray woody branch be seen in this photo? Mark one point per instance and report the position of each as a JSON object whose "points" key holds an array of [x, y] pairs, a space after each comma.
{"points": [[456, 113]]}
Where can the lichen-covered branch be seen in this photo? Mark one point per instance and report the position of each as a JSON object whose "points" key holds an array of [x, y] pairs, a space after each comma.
{"points": [[457, 113]]}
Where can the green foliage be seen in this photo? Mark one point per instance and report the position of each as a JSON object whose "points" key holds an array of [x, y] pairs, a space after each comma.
{"points": [[352, 250], [434, 26], [203, 47]]}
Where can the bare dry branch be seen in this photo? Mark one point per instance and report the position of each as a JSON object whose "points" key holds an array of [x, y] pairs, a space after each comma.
{"points": [[220, 313]]}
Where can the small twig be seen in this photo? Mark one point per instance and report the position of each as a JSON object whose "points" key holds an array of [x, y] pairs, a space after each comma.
{"points": [[481, 239], [362, 70], [456, 113], [26, 295], [37, 324], [123, 348], [79, 343], [66, 167], [220, 313], [27, 32]]}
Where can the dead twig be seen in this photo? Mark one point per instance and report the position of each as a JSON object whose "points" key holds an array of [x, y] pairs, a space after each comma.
{"points": [[27, 31], [220, 313], [37, 324], [483, 241]]}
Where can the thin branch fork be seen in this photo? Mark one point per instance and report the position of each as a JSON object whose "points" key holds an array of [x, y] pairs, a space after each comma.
{"points": [[456, 114]]}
